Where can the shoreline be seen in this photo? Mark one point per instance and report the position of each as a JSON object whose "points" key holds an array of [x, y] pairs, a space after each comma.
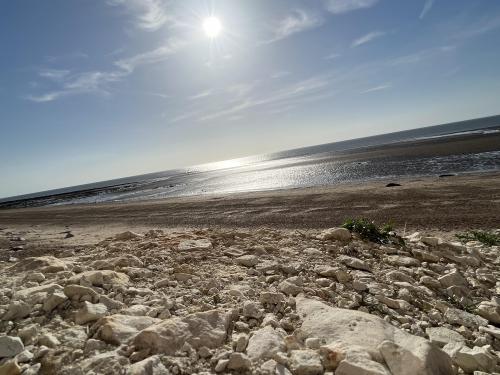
{"points": [[463, 202]]}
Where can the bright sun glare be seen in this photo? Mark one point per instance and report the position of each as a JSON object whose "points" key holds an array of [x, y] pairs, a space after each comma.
{"points": [[212, 27]]}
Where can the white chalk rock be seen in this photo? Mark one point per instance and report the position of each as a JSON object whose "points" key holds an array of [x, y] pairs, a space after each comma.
{"points": [[99, 278], [90, 312], [264, 343], [489, 310], [350, 329], [337, 234], [208, 328], [442, 336], [470, 360], [10, 346], [306, 362], [148, 366], [247, 260], [119, 329], [194, 245]]}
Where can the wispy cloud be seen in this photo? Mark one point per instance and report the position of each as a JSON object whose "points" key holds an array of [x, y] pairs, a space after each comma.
{"points": [[299, 91], [377, 88], [345, 6], [280, 74], [427, 7], [483, 26], [149, 15], [419, 56], [65, 57], [98, 81], [54, 74], [157, 55], [201, 95], [368, 38], [294, 23], [332, 56]]}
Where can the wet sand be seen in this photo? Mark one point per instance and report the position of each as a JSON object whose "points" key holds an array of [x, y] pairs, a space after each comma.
{"points": [[435, 204]]}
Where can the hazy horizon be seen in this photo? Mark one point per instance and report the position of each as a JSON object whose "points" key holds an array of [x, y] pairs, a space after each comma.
{"points": [[94, 91], [272, 154]]}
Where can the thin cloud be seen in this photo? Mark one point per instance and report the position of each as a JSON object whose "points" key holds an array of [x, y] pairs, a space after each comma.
{"points": [[419, 56], [479, 28], [427, 7], [299, 91], [345, 6], [201, 95], [150, 15], [368, 38], [280, 74], [98, 81], [298, 21], [157, 55], [54, 74], [377, 88], [48, 97], [332, 56]]}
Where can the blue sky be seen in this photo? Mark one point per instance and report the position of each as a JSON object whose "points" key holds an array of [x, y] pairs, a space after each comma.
{"points": [[93, 90]]}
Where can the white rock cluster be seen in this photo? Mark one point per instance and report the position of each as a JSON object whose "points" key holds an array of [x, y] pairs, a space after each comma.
{"points": [[253, 302]]}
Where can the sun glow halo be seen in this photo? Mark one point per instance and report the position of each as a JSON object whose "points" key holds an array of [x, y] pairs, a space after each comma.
{"points": [[212, 27]]}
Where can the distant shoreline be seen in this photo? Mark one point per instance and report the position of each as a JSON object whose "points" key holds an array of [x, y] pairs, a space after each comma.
{"points": [[401, 153], [443, 204]]}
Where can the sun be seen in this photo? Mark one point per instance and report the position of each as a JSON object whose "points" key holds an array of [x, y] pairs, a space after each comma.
{"points": [[212, 27]]}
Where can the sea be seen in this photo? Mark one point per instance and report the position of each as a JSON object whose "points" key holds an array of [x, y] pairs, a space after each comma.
{"points": [[471, 146]]}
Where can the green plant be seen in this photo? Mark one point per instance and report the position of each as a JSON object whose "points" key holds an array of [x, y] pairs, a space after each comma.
{"points": [[367, 230], [487, 238]]}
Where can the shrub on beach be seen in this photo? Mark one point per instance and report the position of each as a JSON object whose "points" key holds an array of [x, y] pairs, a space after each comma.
{"points": [[487, 238], [367, 230]]}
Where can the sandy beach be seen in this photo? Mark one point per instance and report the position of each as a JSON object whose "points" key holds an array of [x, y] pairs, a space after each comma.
{"points": [[431, 203]]}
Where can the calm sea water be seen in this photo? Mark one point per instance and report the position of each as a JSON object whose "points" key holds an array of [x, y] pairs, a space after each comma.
{"points": [[320, 165]]}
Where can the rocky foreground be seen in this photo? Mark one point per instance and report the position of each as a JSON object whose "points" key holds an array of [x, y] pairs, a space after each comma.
{"points": [[260, 302]]}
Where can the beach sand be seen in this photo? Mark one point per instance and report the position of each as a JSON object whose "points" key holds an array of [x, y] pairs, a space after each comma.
{"points": [[431, 203]]}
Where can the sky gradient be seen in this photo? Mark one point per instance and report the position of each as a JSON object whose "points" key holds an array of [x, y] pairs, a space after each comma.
{"points": [[94, 90]]}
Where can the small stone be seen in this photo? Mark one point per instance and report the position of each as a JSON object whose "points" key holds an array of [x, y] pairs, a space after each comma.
{"points": [[470, 360], [431, 241], [247, 260], [10, 346], [398, 260], [442, 336], [305, 362], [126, 236], [151, 365], [204, 352], [239, 362], [460, 317], [76, 292], [264, 343], [337, 234], [24, 356], [251, 310], [194, 245], [54, 300], [17, 310], [49, 340], [35, 276], [90, 312], [240, 343], [354, 263], [221, 365], [313, 343], [490, 311], [453, 278]]}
